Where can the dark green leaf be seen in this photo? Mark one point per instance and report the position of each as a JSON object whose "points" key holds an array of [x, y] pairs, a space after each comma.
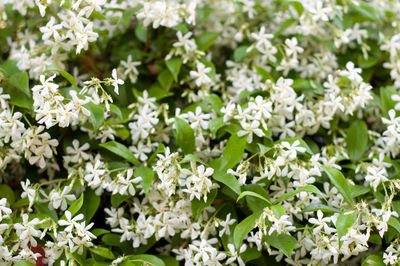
{"points": [[90, 204], [337, 179], [228, 179], [357, 140], [184, 136], [243, 228], [63, 73], [147, 176], [393, 222], [199, 205], [103, 252], [96, 114], [373, 260], [20, 80], [174, 66], [283, 242], [143, 259], [232, 154], [7, 192], [120, 150], [205, 40], [252, 194], [307, 188], [343, 223], [165, 78]]}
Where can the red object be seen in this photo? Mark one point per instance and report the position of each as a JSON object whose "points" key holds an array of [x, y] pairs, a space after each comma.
{"points": [[39, 249]]}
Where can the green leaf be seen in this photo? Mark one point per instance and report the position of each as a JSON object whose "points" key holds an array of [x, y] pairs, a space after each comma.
{"points": [[307, 188], [63, 73], [357, 190], [283, 242], [263, 149], [165, 79], [373, 260], [215, 124], [143, 259], [24, 263], [76, 206], [20, 80], [240, 53], [192, 158], [7, 192], [18, 98], [120, 150], [243, 228], [393, 222], [174, 66], [215, 102], [90, 204], [205, 40], [317, 206], [252, 194], [141, 33], [228, 179], [103, 252], [343, 223], [337, 179], [199, 205], [366, 10], [147, 175], [169, 261], [232, 154], [96, 114], [184, 136], [117, 199], [357, 140], [284, 26], [116, 110]]}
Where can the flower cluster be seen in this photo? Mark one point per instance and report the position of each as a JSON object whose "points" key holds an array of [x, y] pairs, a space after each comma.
{"points": [[199, 132]]}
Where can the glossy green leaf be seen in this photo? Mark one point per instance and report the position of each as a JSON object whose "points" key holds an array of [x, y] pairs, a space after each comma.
{"points": [[232, 155], [120, 150], [184, 136], [343, 223], [174, 66], [90, 204], [63, 73], [143, 259], [228, 179], [20, 80], [147, 175], [307, 188], [337, 179], [285, 243], [165, 79], [205, 40], [252, 194], [243, 228], [357, 139], [393, 222], [7, 192], [96, 114], [103, 252], [373, 260]]}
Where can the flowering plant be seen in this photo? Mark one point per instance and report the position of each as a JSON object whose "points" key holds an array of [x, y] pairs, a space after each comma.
{"points": [[198, 132]]}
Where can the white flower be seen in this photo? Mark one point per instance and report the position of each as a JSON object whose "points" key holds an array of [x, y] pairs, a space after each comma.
{"points": [[115, 81], [200, 76], [26, 231]]}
